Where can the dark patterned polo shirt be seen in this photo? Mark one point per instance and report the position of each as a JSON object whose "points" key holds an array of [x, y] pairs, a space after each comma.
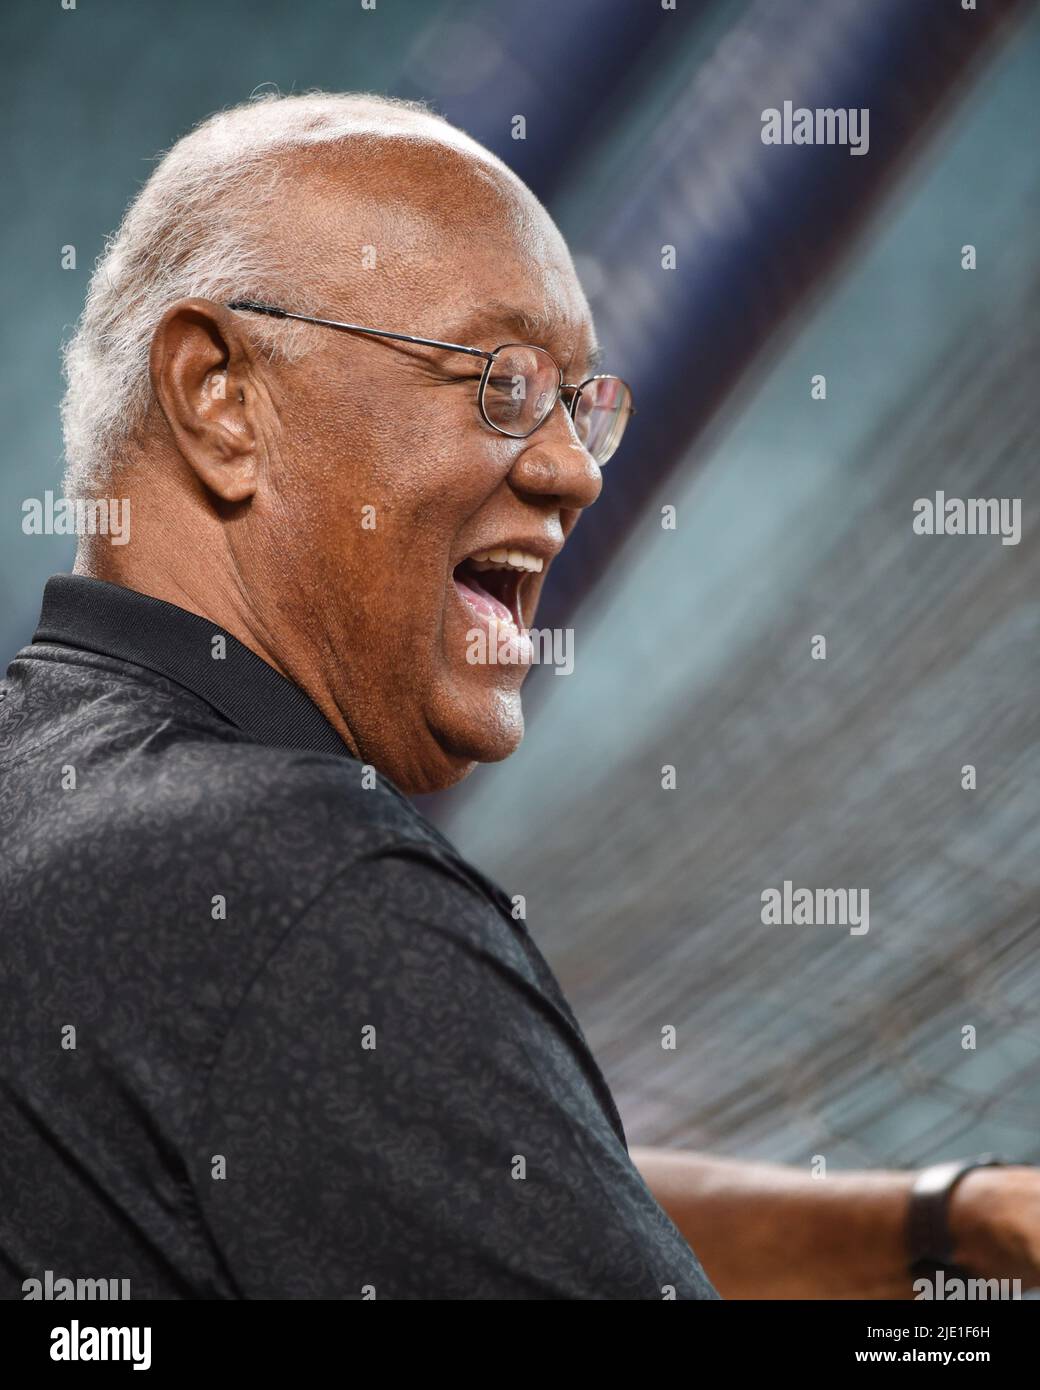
{"points": [[264, 1033]]}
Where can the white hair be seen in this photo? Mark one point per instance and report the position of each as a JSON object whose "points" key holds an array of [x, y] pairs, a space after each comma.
{"points": [[194, 230]]}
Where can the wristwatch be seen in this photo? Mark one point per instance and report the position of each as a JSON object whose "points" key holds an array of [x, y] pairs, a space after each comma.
{"points": [[928, 1237]]}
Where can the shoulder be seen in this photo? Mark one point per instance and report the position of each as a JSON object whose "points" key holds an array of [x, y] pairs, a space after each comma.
{"points": [[224, 795], [280, 808], [270, 790]]}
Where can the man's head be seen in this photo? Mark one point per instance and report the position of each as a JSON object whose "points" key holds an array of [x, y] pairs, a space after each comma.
{"points": [[313, 491]]}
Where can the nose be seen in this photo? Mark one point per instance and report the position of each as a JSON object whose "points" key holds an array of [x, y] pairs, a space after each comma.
{"points": [[556, 465]]}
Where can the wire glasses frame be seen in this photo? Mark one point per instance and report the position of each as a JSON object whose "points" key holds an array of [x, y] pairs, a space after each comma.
{"points": [[521, 396]]}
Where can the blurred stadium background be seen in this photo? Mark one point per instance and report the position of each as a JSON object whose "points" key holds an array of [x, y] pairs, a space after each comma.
{"points": [[794, 515]]}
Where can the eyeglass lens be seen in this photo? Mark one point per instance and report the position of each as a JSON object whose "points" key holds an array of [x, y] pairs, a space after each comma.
{"points": [[523, 384]]}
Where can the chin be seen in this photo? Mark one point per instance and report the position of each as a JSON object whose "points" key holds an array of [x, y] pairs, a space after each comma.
{"points": [[483, 728]]}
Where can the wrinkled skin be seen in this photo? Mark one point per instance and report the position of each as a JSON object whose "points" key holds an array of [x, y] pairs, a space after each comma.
{"points": [[251, 476]]}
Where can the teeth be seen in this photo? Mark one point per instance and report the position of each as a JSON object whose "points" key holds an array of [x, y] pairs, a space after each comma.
{"points": [[501, 558]]}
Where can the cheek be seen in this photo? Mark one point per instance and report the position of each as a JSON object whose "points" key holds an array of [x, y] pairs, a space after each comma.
{"points": [[376, 497], [422, 490]]}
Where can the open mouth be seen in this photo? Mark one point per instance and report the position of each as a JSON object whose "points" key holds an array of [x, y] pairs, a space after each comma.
{"points": [[492, 583]]}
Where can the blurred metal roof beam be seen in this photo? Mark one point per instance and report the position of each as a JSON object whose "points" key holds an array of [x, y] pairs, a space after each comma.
{"points": [[755, 227]]}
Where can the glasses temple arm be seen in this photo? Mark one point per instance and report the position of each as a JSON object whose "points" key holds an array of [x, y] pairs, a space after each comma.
{"points": [[250, 306]]}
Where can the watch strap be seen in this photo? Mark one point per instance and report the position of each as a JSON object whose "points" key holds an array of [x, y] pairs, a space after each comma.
{"points": [[928, 1236]]}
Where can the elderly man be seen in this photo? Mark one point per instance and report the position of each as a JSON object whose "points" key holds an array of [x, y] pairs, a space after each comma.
{"points": [[266, 1033]]}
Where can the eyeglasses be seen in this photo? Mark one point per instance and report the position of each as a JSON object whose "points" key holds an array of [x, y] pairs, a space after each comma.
{"points": [[519, 386]]}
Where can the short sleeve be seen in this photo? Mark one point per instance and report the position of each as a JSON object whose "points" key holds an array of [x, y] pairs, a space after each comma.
{"points": [[399, 1110]]}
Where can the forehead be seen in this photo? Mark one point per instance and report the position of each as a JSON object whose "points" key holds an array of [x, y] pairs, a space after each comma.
{"points": [[438, 239]]}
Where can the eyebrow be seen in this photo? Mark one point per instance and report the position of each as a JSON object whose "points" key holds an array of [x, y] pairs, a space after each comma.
{"points": [[531, 327]]}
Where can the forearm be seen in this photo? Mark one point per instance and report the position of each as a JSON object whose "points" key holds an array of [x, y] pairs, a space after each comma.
{"points": [[765, 1230]]}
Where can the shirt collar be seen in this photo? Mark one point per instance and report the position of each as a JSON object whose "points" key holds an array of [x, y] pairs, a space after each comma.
{"points": [[99, 617]]}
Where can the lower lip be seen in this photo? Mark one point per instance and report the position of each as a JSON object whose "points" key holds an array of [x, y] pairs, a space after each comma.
{"points": [[506, 644]]}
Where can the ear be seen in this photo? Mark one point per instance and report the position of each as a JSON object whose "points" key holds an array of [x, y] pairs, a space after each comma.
{"points": [[204, 375]]}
